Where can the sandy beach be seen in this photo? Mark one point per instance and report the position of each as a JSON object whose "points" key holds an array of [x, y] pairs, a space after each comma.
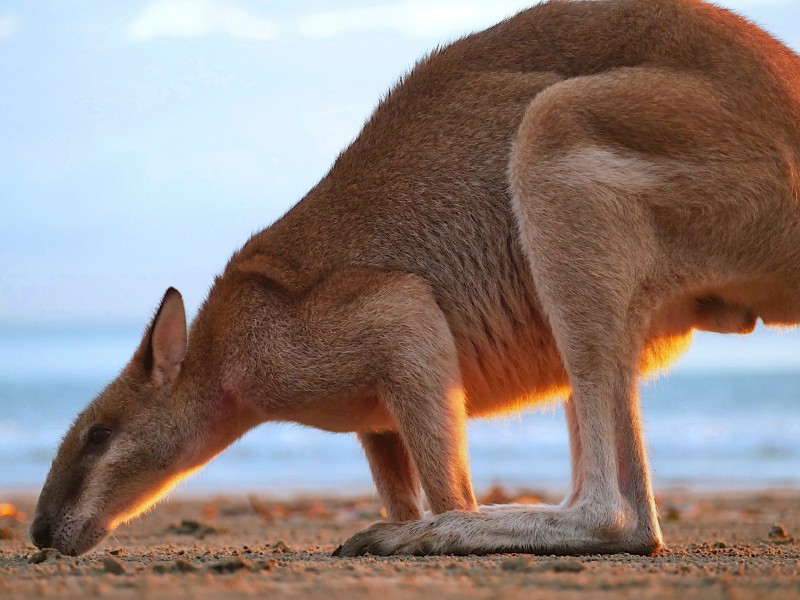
{"points": [[733, 545]]}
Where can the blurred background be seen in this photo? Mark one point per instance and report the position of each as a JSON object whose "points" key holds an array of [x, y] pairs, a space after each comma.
{"points": [[142, 142]]}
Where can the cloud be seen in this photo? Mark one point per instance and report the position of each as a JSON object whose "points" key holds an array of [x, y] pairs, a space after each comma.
{"points": [[421, 18], [8, 26], [198, 18]]}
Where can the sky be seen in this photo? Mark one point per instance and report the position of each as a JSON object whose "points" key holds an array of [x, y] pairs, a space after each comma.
{"points": [[142, 142]]}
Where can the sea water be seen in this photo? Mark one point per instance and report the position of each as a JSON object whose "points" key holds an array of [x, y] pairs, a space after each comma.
{"points": [[727, 417]]}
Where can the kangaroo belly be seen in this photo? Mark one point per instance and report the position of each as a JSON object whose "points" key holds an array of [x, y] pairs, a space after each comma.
{"points": [[507, 354], [502, 386]]}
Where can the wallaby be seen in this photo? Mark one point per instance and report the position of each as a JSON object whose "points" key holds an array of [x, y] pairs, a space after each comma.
{"points": [[545, 208]]}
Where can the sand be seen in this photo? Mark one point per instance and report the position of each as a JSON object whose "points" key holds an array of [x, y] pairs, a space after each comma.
{"points": [[727, 546]]}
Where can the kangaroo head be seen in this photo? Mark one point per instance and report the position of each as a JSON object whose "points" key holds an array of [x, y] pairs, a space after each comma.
{"points": [[127, 448]]}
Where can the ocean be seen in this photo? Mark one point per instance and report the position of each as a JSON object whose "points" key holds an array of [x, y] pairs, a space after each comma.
{"points": [[727, 417]]}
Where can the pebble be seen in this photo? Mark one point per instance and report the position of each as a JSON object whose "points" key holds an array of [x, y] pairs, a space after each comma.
{"points": [[269, 564], [568, 565], [778, 533], [179, 565], [112, 565], [520, 564], [188, 527], [45, 555], [184, 566], [229, 565]]}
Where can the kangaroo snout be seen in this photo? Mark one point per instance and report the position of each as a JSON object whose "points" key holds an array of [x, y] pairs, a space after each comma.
{"points": [[59, 521]]}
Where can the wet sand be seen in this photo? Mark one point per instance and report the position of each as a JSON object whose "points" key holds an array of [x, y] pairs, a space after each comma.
{"points": [[733, 545]]}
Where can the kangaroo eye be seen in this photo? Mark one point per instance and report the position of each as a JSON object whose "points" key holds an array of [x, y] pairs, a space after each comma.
{"points": [[98, 435]]}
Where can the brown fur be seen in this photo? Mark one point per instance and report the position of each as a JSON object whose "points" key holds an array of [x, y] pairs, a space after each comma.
{"points": [[546, 207]]}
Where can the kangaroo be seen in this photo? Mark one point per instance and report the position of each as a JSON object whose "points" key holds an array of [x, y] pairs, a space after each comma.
{"points": [[547, 208]]}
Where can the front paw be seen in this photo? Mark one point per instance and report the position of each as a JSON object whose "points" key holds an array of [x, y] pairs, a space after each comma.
{"points": [[387, 539]]}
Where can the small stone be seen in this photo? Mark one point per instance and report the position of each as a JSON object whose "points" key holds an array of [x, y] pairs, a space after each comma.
{"points": [[518, 564], [179, 565], [497, 494], [45, 555], [566, 565], [183, 566], [269, 565], [280, 547], [778, 534], [189, 527], [229, 565], [112, 565], [117, 552], [719, 545]]}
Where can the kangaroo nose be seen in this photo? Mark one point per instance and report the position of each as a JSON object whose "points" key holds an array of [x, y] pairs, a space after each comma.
{"points": [[41, 534]]}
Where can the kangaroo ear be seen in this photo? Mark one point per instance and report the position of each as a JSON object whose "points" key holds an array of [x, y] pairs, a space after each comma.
{"points": [[164, 343]]}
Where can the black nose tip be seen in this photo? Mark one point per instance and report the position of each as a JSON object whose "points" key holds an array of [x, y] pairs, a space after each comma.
{"points": [[41, 534]]}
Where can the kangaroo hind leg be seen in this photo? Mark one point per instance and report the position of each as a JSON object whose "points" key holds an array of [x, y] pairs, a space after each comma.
{"points": [[595, 258]]}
